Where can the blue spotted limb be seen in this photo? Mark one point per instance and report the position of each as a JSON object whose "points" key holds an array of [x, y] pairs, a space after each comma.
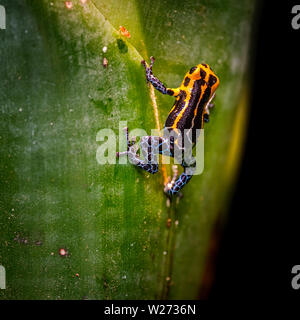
{"points": [[157, 84], [175, 185], [151, 146]]}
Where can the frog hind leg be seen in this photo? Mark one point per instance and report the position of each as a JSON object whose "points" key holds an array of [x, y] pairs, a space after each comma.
{"points": [[173, 187], [149, 166], [189, 165], [130, 143], [208, 106], [150, 147]]}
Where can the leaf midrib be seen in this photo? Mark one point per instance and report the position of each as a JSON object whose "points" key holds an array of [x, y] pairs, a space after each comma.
{"points": [[168, 265]]}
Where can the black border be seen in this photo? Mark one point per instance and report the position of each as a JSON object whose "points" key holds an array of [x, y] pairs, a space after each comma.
{"points": [[261, 242]]}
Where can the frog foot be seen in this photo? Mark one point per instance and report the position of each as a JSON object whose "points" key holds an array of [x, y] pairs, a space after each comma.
{"points": [[130, 143], [148, 69], [143, 62], [171, 182]]}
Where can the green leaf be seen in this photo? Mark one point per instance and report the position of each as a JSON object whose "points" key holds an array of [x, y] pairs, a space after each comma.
{"points": [[111, 219]]}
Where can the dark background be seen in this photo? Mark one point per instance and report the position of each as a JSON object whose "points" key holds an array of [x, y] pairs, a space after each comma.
{"points": [[261, 242]]}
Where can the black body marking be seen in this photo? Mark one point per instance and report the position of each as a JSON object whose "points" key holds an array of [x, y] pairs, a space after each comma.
{"points": [[188, 115], [192, 69], [212, 80], [179, 105], [186, 81], [198, 120], [202, 74], [149, 149]]}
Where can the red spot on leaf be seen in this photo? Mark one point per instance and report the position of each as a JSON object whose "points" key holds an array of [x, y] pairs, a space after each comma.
{"points": [[124, 32], [62, 252], [69, 4]]}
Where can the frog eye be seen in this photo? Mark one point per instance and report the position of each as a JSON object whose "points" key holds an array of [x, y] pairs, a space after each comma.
{"points": [[192, 69], [212, 80]]}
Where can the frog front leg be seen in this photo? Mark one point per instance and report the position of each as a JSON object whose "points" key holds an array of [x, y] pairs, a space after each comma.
{"points": [[157, 84]]}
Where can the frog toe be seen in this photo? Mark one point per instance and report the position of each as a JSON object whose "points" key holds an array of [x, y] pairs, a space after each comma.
{"points": [[206, 117]]}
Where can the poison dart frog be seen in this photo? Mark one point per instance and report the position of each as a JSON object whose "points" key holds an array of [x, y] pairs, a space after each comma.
{"points": [[189, 112]]}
